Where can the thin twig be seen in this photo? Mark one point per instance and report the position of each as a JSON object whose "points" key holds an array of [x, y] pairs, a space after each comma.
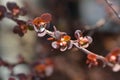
{"points": [[109, 3], [98, 56], [103, 59]]}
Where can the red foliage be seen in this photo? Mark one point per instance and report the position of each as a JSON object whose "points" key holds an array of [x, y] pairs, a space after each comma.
{"points": [[92, 60], [44, 18], [113, 56]]}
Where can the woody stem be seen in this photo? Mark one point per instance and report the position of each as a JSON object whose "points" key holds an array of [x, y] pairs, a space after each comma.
{"points": [[98, 56]]}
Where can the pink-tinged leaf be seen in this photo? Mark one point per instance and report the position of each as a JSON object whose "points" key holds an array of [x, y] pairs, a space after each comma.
{"points": [[116, 68], [41, 34], [89, 39], [55, 45], [70, 44], [63, 48], [78, 33]]}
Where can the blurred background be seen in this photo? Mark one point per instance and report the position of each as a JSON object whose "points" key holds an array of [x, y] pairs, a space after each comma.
{"points": [[93, 17]]}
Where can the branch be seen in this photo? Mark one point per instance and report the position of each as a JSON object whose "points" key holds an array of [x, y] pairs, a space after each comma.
{"points": [[64, 42], [109, 3]]}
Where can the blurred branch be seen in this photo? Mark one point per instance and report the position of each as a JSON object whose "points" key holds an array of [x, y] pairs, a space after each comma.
{"points": [[93, 28], [109, 3]]}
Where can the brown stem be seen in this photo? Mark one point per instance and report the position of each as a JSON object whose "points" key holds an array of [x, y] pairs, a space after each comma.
{"points": [[98, 56], [103, 59]]}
